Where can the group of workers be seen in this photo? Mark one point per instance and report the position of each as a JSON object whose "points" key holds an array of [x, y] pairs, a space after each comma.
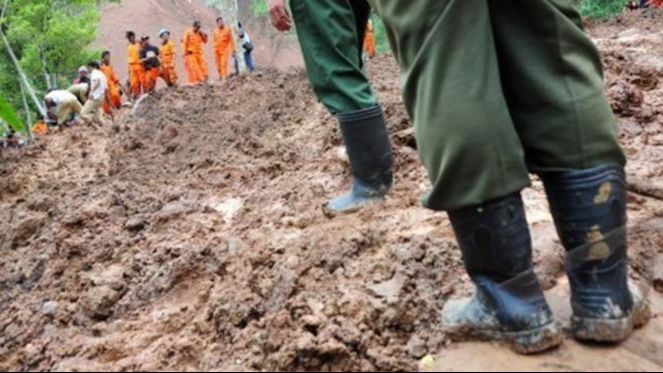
{"points": [[147, 63], [90, 94], [97, 88], [493, 97]]}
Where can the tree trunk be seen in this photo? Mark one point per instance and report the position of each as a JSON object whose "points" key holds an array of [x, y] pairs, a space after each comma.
{"points": [[28, 116], [22, 75]]}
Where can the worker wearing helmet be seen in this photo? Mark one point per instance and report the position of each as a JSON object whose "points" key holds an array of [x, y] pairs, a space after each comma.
{"points": [[167, 51]]}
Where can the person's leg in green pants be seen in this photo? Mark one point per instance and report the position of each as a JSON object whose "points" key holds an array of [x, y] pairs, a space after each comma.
{"points": [[552, 78], [497, 89], [331, 33]]}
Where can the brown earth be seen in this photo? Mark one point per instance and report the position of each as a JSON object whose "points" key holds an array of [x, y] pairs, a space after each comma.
{"points": [[190, 236]]}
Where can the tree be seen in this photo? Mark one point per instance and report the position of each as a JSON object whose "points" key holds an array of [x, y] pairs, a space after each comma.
{"points": [[50, 40], [601, 9], [54, 36], [9, 115]]}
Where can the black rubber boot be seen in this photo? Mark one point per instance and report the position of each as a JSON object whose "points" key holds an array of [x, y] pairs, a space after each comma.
{"points": [[369, 149], [589, 207], [508, 304]]}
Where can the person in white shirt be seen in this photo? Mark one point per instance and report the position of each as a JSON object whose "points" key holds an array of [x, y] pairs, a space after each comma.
{"points": [[61, 104], [247, 46], [98, 91]]}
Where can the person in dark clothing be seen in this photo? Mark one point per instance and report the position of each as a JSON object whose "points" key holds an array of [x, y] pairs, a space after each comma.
{"points": [[149, 56]]}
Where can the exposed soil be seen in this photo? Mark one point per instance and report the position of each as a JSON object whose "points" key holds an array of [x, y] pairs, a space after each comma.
{"points": [[189, 235]]}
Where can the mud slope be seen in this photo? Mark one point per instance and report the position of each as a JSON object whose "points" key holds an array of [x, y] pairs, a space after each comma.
{"points": [[189, 235]]}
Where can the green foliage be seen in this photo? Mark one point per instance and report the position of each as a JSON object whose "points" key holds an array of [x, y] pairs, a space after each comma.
{"points": [[259, 8], [9, 115], [51, 39], [601, 9], [381, 40]]}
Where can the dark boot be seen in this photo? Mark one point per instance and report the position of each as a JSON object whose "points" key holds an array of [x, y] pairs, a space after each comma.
{"points": [[589, 207], [369, 150], [508, 304]]}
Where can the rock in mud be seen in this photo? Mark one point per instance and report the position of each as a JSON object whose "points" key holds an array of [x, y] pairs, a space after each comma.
{"points": [[99, 302], [50, 308], [657, 275], [26, 226], [416, 347], [135, 225]]}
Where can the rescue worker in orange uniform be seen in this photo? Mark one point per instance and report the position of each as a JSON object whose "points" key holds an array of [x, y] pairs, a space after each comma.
{"points": [[168, 71], [194, 55], [114, 100], [149, 55], [136, 69], [369, 40], [224, 47]]}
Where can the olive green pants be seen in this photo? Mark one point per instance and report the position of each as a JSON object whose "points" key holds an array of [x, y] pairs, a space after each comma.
{"points": [[331, 34], [498, 89]]}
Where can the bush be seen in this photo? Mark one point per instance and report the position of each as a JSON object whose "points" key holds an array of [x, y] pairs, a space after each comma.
{"points": [[601, 9]]}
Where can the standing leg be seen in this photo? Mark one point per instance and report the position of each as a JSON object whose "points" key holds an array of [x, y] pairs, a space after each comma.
{"points": [[331, 33], [223, 64], [136, 81], [217, 59], [475, 160], [250, 62], [552, 76], [202, 66]]}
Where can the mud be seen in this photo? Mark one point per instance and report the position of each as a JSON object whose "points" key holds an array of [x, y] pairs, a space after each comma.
{"points": [[190, 235]]}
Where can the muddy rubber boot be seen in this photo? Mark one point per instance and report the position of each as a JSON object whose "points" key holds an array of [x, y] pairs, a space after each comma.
{"points": [[589, 207], [508, 304], [369, 150]]}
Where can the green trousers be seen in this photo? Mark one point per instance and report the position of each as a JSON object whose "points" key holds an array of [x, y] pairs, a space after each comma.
{"points": [[331, 34], [498, 89]]}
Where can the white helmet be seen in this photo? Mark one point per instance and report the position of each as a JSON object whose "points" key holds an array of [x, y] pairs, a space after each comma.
{"points": [[163, 31]]}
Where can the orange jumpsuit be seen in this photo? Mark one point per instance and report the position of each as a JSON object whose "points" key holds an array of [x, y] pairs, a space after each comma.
{"points": [[224, 46], [151, 77], [369, 40], [168, 71], [40, 128], [194, 56], [114, 97], [136, 69]]}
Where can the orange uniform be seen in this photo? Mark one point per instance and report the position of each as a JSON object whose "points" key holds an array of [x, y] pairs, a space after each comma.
{"points": [[194, 56], [40, 128], [151, 77], [369, 40], [224, 47], [136, 69], [114, 100], [168, 71]]}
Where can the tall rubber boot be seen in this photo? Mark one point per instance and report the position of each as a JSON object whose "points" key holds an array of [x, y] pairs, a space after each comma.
{"points": [[508, 304], [589, 207], [369, 149]]}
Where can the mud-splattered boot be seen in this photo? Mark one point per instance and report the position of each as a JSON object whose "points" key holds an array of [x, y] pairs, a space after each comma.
{"points": [[589, 207], [508, 304], [369, 149]]}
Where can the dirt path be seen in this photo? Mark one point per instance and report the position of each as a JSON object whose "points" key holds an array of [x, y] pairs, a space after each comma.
{"points": [[189, 235]]}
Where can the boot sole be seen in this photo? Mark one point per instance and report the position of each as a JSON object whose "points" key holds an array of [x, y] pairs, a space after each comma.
{"points": [[526, 342], [331, 213], [610, 330]]}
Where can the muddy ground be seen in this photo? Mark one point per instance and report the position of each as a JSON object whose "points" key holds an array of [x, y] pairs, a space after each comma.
{"points": [[189, 234]]}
